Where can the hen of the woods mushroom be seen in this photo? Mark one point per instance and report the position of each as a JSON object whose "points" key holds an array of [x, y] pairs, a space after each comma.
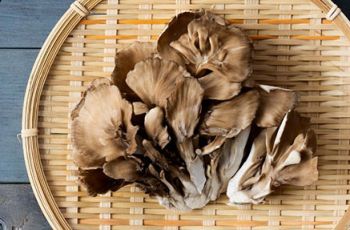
{"points": [[184, 122]]}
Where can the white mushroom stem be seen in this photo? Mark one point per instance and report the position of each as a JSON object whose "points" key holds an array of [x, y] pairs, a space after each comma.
{"points": [[194, 164], [235, 191], [231, 157]]}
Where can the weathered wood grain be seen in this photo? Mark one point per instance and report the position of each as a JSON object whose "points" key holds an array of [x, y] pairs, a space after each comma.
{"points": [[15, 67], [27, 23], [19, 209]]}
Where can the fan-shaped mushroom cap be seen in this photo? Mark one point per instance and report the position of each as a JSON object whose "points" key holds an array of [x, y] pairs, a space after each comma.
{"points": [[155, 128], [275, 102], [101, 126], [183, 108], [154, 80], [219, 88], [126, 59], [211, 44], [127, 169], [230, 117], [96, 182], [176, 27]]}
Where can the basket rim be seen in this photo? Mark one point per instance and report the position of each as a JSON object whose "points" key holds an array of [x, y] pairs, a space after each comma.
{"points": [[78, 10]]}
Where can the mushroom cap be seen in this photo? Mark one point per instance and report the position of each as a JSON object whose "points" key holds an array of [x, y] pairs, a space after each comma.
{"points": [[96, 182], [155, 127], [127, 169], [219, 88], [176, 27], [154, 80], [101, 126], [125, 61], [211, 44], [183, 108], [275, 102], [228, 118]]}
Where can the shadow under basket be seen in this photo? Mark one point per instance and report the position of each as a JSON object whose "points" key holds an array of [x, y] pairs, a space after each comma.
{"points": [[302, 45]]}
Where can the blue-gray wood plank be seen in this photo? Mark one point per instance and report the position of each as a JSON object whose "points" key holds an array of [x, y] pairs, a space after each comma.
{"points": [[15, 65], [19, 209], [25, 23], [24, 26]]}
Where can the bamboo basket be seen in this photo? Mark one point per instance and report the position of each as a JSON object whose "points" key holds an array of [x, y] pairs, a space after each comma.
{"points": [[299, 44]]}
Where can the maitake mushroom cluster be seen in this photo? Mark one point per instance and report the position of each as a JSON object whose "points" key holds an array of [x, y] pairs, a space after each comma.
{"points": [[184, 122]]}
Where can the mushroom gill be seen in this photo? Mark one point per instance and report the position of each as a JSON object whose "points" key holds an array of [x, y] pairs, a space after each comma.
{"points": [[125, 61]]}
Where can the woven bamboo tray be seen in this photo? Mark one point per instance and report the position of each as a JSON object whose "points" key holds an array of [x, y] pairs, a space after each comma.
{"points": [[299, 44]]}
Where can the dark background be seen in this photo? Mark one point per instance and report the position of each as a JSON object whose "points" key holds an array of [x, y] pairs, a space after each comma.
{"points": [[344, 5], [24, 25]]}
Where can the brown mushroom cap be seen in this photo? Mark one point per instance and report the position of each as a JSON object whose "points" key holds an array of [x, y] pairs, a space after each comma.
{"points": [[176, 27], [183, 108], [219, 88], [230, 117], [127, 169], [96, 182], [275, 102], [154, 80], [211, 44], [101, 126], [126, 60]]}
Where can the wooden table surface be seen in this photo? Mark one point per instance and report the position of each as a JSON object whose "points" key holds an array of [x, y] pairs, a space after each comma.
{"points": [[24, 25]]}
